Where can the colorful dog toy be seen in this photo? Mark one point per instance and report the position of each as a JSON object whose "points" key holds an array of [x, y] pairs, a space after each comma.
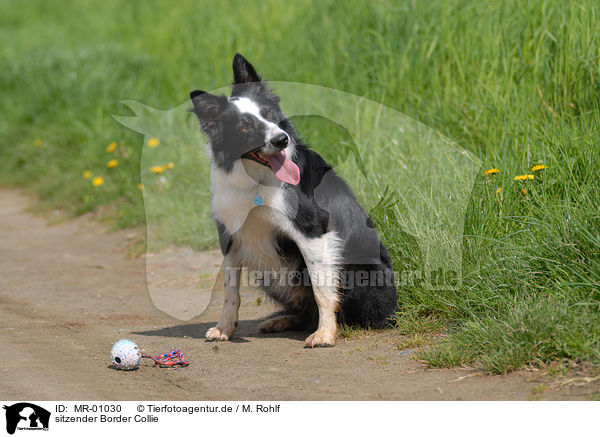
{"points": [[125, 355], [173, 358]]}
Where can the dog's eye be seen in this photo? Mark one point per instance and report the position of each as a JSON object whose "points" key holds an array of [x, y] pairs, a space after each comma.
{"points": [[268, 114]]}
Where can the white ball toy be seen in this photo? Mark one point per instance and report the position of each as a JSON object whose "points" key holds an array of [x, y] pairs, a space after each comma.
{"points": [[125, 355]]}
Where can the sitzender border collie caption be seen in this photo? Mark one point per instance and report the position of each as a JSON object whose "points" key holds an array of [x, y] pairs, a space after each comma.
{"points": [[89, 409]]}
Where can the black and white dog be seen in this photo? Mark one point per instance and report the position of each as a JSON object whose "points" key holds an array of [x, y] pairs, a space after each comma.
{"points": [[280, 207]]}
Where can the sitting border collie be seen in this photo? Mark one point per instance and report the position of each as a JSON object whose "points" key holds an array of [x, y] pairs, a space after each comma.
{"points": [[278, 207]]}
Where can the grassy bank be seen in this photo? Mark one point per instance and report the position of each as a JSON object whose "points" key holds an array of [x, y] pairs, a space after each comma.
{"points": [[515, 83]]}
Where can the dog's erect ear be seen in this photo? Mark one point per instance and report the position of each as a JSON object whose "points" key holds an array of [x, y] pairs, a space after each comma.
{"points": [[243, 71], [207, 106]]}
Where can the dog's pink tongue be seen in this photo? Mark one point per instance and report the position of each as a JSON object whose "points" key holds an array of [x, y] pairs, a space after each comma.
{"points": [[285, 169]]}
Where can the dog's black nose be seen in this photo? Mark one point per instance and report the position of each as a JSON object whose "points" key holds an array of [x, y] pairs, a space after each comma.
{"points": [[280, 140]]}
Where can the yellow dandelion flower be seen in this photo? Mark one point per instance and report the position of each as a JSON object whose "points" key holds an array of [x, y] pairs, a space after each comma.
{"points": [[86, 174], [157, 169], [524, 192], [111, 147], [153, 142], [499, 190], [38, 142], [169, 166], [97, 181], [524, 177], [112, 163], [538, 167], [491, 171]]}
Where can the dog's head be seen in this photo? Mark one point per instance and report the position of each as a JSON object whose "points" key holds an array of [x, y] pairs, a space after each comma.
{"points": [[249, 127]]}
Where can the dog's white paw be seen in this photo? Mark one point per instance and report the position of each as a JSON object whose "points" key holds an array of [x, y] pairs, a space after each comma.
{"points": [[216, 333], [321, 338]]}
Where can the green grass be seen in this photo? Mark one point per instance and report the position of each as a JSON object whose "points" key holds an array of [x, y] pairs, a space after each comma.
{"points": [[532, 331], [515, 83]]}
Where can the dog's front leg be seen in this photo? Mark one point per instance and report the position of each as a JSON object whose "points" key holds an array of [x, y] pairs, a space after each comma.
{"points": [[322, 256], [229, 317]]}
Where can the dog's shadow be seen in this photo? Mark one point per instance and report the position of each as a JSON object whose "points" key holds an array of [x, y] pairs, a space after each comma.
{"points": [[246, 330]]}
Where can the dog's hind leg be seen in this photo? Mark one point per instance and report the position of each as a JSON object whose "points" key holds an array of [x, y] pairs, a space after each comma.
{"points": [[229, 316], [281, 322], [299, 306]]}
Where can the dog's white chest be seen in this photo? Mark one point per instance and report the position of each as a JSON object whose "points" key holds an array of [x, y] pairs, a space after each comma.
{"points": [[232, 207], [252, 214]]}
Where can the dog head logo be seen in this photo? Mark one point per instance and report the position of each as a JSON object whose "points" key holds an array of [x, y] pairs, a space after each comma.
{"points": [[26, 416]]}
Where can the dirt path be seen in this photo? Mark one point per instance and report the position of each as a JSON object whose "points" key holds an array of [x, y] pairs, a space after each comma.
{"points": [[69, 291]]}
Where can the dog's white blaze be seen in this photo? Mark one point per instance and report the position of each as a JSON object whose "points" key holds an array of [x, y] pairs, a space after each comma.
{"points": [[246, 105]]}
